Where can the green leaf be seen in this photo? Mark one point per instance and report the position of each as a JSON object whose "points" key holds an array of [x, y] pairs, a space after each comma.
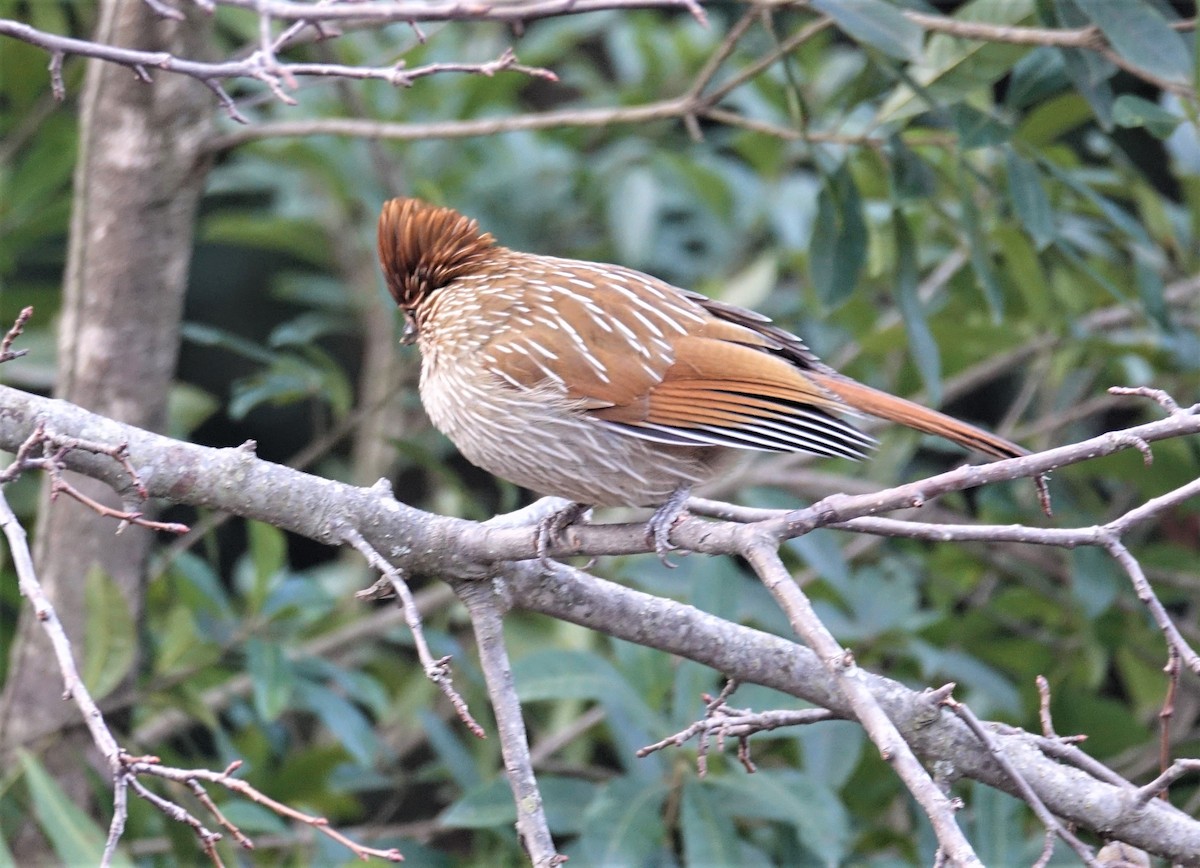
{"points": [[992, 816], [268, 550], [447, 743], [921, 344], [253, 819], [623, 825], [633, 214], [564, 799], [1138, 32], [1152, 292], [751, 286], [179, 644], [1094, 87], [489, 806], [877, 24], [1134, 111], [272, 676], [912, 177], [1087, 70], [838, 248], [708, 833], [187, 408], [1095, 580], [831, 751], [796, 798], [1023, 270], [977, 245], [824, 553], [582, 675], [198, 585], [951, 67], [289, 379], [1038, 76], [1113, 213], [1055, 117], [348, 725], [110, 636], [301, 239], [977, 129], [76, 839], [1029, 199], [308, 327], [211, 336]]}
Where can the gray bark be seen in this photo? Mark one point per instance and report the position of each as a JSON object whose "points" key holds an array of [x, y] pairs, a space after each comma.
{"points": [[235, 481], [139, 175]]}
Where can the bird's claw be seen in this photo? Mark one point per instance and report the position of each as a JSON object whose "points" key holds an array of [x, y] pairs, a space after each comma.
{"points": [[658, 528], [550, 528]]}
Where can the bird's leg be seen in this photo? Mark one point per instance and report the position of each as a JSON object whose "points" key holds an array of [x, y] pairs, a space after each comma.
{"points": [[658, 528], [549, 528]]}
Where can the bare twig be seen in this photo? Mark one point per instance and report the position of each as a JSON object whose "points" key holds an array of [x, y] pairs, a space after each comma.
{"points": [[18, 327], [31, 589], [437, 671], [1027, 792], [762, 553], [405, 11], [162, 9], [1088, 38], [54, 451], [1173, 670], [260, 65], [739, 723], [123, 767], [1174, 772], [150, 766], [1081, 37], [484, 607]]}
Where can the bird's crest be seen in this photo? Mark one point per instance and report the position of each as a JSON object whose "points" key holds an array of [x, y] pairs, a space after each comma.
{"points": [[423, 247]]}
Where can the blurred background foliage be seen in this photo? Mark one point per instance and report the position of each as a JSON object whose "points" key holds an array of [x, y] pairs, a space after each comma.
{"points": [[1005, 230]]}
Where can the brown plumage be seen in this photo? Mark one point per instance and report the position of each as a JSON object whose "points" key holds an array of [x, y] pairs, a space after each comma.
{"points": [[604, 385]]}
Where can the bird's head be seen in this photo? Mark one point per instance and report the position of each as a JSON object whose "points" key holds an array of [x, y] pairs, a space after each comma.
{"points": [[423, 247]]}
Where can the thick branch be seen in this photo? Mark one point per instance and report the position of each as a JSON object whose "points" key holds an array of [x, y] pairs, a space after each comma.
{"points": [[235, 481]]}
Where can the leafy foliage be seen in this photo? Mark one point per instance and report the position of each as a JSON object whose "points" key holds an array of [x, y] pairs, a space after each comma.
{"points": [[1005, 227]]}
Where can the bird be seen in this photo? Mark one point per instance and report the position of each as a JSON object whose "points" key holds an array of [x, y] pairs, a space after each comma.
{"points": [[609, 387]]}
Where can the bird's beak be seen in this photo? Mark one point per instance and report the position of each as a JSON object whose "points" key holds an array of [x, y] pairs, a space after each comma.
{"points": [[409, 336]]}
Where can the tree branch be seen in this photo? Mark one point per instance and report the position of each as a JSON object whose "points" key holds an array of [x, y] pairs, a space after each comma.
{"points": [[234, 480]]}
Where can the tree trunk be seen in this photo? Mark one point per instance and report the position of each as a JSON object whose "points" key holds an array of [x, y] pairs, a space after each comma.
{"points": [[138, 179]]}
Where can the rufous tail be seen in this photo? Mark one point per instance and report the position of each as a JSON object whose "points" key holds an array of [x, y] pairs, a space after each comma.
{"points": [[876, 403]]}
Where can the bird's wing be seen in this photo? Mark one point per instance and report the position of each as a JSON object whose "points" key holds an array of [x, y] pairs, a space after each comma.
{"points": [[653, 361]]}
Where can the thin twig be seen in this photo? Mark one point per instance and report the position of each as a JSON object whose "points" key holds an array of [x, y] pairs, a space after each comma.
{"points": [[483, 607], [1027, 792], [149, 766], [726, 722], [1174, 772], [1043, 689], [763, 556], [163, 10], [31, 589], [55, 449], [1173, 671], [18, 327], [437, 671]]}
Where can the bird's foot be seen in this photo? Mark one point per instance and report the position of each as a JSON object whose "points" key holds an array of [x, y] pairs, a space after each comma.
{"points": [[551, 527], [658, 528]]}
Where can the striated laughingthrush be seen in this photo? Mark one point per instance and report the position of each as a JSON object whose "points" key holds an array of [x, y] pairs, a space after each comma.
{"points": [[606, 386]]}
